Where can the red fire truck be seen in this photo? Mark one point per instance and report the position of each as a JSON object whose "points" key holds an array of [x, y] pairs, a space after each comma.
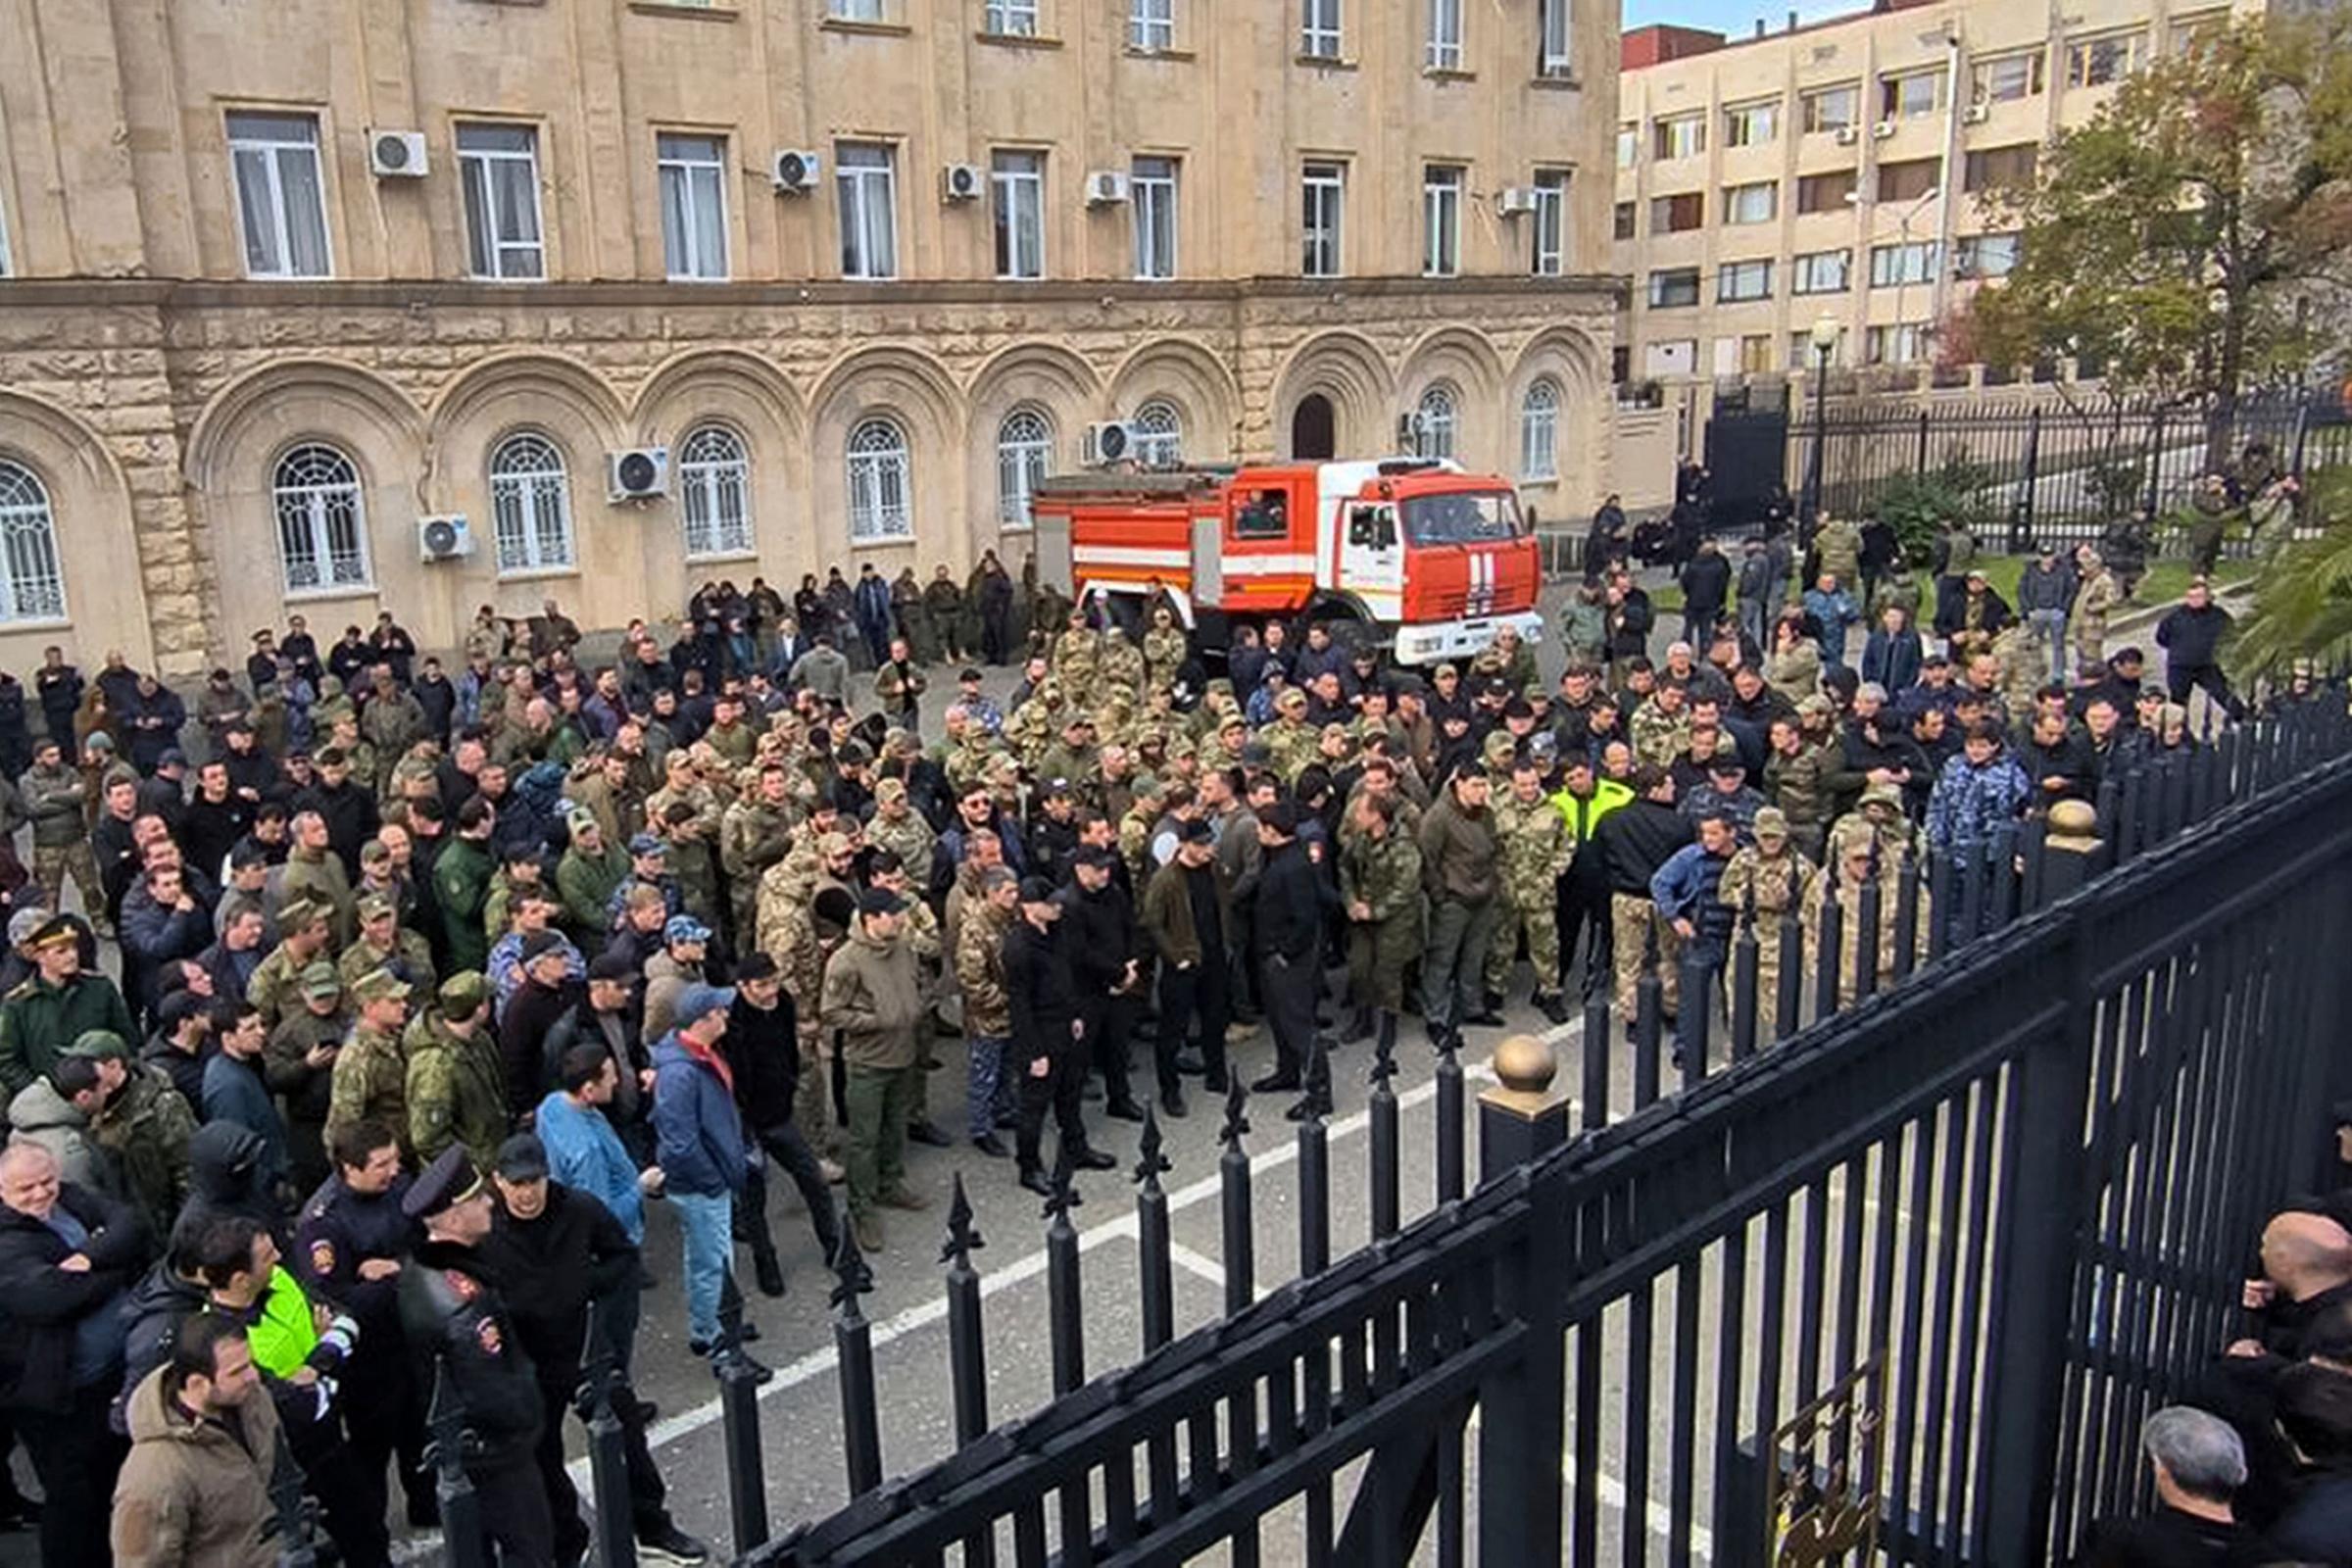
{"points": [[1413, 552]]}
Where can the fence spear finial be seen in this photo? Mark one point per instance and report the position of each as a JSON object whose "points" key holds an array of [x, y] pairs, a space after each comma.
{"points": [[1236, 1121], [964, 1237], [1152, 1161]]}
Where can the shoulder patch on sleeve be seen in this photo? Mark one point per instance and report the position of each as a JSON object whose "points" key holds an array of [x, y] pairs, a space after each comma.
{"points": [[486, 1333], [322, 1257]]}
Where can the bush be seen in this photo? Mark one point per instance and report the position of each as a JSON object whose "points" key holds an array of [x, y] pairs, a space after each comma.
{"points": [[1919, 506]]}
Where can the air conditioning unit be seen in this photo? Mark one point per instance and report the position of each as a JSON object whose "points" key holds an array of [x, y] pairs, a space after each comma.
{"points": [[1883, 130], [1513, 200], [449, 538], [1847, 135], [1976, 114], [1112, 441], [1105, 187], [961, 183], [638, 475], [794, 171], [396, 153]]}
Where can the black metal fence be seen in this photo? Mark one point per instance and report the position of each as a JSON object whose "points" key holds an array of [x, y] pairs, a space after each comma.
{"points": [[1908, 1278]]}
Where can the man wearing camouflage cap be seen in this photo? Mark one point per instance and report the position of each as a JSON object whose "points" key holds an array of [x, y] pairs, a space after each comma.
{"points": [[385, 944], [299, 1063], [137, 1119], [457, 1093], [370, 1077], [1765, 883]]}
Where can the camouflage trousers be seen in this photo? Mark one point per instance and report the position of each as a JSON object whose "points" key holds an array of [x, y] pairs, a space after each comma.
{"points": [[1768, 972], [813, 1097], [53, 862], [1379, 952], [1630, 922], [1541, 927]]}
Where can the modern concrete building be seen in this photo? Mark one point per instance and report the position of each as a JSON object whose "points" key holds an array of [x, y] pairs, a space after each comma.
{"points": [[1840, 170], [284, 281]]}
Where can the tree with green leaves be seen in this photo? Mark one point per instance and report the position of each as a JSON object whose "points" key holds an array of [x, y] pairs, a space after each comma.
{"points": [[2175, 239], [2303, 594]]}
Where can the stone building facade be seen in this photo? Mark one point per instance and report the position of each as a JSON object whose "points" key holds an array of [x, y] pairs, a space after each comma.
{"points": [[239, 362]]}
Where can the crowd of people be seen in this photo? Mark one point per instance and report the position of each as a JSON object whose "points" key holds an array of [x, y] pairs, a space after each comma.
{"points": [[430, 984]]}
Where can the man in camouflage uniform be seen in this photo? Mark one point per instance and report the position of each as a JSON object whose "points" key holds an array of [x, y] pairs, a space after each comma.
{"points": [[142, 1121], [385, 944], [302, 933], [683, 832], [1880, 813], [1291, 741], [1796, 774], [1765, 881], [1537, 846], [372, 1071], [1661, 728], [457, 1088], [754, 834], [2094, 602], [1121, 662], [1076, 655], [987, 1009], [787, 933], [1380, 892], [897, 827], [55, 795], [1071, 757], [1165, 649], [299, 1064], [1849, 870]]}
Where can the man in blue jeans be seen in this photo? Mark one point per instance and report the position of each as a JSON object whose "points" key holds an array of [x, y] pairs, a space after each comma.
{"points": [[698, 1137]]}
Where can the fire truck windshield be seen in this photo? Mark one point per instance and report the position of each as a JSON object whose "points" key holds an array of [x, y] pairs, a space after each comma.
{"points": [[1462, 518]]}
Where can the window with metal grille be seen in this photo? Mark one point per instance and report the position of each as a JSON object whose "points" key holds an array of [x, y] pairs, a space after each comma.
{"points": [[1158, 435], [1540, 430], [530, 498], [1024, 453], [881, 475], [1433, 422], [321, 519], [714, 479], [32, 587]]}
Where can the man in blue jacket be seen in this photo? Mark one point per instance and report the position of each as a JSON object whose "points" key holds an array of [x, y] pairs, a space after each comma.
{"points": [[699, 1143]]}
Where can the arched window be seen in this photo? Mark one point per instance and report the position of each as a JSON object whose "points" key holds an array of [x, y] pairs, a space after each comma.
{"points": [[1024, 450], [716, 478], [881, 479], [1433, 428], [532, 501], [1158, 435], [321, 520], [1540, 431], [32, 587]]}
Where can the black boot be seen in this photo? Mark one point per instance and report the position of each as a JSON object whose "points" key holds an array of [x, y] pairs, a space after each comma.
{"points": [[1359, 1027], [768, 1271]]}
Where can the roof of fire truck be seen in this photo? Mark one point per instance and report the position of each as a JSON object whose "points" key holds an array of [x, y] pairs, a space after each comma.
{"points": [[1404, 477]]}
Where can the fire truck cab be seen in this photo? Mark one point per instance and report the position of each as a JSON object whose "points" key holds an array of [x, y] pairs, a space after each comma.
{"points": [[1415, 554]]}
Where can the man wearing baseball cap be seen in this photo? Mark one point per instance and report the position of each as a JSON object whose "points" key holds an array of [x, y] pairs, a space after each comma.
{"points": [[699, 1144]]}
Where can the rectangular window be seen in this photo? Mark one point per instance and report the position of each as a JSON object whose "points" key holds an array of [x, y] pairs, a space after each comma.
{"points": [[281, 201], [1152, 25], [854, 10], [1323, 204], [1827, 108], [1904, 344], [2108, 57], [1016, 199], [2005, 78], [1017, 18], [1911, 95], [497, 167], [694, 206], [1151, 187], [1987, 255], [1755, 124], [1444, 48], [1908, 182], [1629, 146], [1319, 29], [1821, 273], [1740, 282], [1677, 214], [1897, 266], [1554, 26], [2000, 167], [1755, 354], [864, 177], [1681, 136], [1825, 193], [1759, 203], [1442, 218], [1624, 222], [1550, 222], [1672, 287]]}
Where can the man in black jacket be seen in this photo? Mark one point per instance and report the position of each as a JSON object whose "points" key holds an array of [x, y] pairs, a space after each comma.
{"points": [[763, 1046], [1289, 942], [1634, 841], [1105, 947], [551, 1251], [2191, 635], [67, 1258], [1048, 1036], [458, 1329], [1706, 579]]}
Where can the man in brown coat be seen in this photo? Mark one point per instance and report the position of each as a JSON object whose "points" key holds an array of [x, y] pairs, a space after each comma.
{"points": [[195, 1490]]}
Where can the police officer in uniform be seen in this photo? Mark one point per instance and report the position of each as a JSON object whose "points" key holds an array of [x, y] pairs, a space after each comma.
{"points": [[451, 1315]]}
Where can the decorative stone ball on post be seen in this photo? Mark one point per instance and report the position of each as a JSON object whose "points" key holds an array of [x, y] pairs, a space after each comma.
{"points": [[1523, 1117], [2072, 851]]}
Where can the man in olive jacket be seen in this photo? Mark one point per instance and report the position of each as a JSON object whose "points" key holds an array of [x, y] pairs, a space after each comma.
{"points": [[1461, 864], [55, 1006], [873, 997]]}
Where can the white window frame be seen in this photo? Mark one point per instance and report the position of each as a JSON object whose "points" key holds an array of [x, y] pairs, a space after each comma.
{"points": [[273, 156], [1969, 262], [1905, 263], [1024, 457], [854, 10], [692, 166], [1441, 48], [1628, 144], [1152, 192], [1901, 85], [32, 576], [1152, 25], [1011, 18], [1158, 435], [1540, 431], [1442, 189], [1556, 40], [1676, 136], [1754, 124], [1016, 210], [880, 471], [867, 197], [1895, 343], [714, 493], [1806, 266], [1547, 225], [508, 261], [1437, 423], [1745, 281], [314, 488], [1814, 103], [1736, 199], [1989, 76], [1319, 31], [1322, 219], [530, 504], [2083, 55]]}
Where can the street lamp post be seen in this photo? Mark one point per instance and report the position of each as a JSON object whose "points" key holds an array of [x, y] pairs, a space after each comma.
{"points": [[1825, 343]]}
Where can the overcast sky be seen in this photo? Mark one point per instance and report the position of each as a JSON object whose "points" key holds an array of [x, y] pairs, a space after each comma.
{"points": [[1730, 16]]}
